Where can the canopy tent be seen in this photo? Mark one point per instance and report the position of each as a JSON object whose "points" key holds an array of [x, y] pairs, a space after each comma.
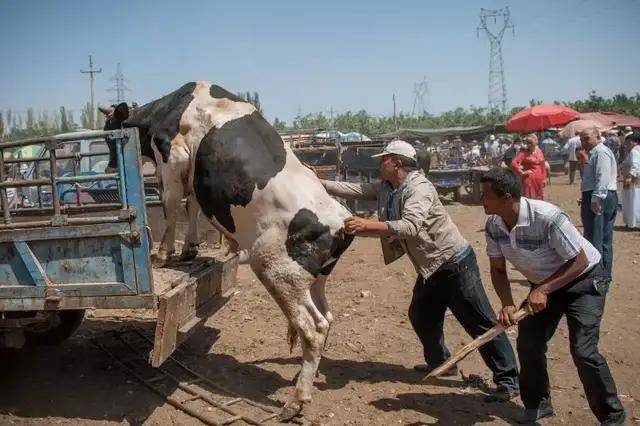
{"points": [[578, 126], [611, 119], [426, 134]]}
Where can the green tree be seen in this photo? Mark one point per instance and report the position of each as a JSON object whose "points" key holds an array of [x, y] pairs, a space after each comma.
{"points": [[66, 125], [279, 125], [85, 116], [1, 127], [31, 121]]}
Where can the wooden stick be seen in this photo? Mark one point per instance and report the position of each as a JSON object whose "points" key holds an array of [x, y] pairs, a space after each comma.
{"points": [[479, 341]]}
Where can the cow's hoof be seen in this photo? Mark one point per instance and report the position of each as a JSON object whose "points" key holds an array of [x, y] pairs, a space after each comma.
{"points": [[290, 410], [160, 260], [188, 254], [320, 378]]}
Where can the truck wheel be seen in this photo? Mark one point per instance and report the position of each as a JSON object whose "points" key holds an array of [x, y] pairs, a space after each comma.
{"points": [[62, 326], [457, 194]]}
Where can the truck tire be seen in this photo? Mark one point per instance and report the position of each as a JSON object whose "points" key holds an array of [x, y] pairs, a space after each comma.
{"points": [[66, 323]]}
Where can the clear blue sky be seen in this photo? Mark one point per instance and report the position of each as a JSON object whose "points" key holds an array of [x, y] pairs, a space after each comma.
{"points": [[347, 54]]}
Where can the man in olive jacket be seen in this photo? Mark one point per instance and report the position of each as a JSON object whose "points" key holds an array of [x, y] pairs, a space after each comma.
{"points": [[412, 220]]}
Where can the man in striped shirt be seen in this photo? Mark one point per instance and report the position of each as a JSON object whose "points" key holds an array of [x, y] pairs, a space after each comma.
{"points": [[566, 277]]}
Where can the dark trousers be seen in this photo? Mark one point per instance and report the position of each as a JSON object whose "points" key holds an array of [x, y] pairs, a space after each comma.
{"points": [[598, 228], [457, 285], [583, 303], [573, 166]]}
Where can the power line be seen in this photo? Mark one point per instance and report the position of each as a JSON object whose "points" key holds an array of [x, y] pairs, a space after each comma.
{"points": [[119, 86], [497, 85], [91, 72]]}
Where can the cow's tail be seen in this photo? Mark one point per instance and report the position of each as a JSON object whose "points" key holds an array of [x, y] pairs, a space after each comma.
{"points": [[292, 336]]}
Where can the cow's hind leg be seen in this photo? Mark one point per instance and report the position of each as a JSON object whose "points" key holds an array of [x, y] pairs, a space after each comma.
{"points": [[290, 286], [320, 301], [190, 247]]}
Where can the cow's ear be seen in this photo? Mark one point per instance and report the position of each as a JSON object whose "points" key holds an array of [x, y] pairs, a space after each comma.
{"points": [[121, 112], [105, 110]]}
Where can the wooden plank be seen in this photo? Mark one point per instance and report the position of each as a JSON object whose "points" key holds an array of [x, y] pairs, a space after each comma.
{"points": [[189, 302], [165, 337]]}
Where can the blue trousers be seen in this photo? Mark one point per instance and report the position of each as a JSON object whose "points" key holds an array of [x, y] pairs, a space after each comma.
{"points": [[598, 228]]}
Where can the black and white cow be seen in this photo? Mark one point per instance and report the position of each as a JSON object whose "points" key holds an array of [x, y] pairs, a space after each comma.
{"points": [[218, 148]]}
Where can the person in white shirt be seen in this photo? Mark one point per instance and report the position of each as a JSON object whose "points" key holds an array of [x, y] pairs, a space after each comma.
{"points": [[567, 279], [570, 148], [630, 168]]}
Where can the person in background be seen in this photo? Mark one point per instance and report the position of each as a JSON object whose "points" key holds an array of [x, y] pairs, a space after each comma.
{"points": [[572, 145], [613, 143], [599, 195], [547, 139], [530, 165], [494, 149], [630, 169], [623, 146], [511, 152], [506, 144]]}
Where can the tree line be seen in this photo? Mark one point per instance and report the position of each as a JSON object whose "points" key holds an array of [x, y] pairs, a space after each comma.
{"points": [[368, 124], [14, 125]]}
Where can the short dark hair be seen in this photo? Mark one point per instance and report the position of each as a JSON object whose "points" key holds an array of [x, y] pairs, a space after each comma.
{"points": [[502, 181], [633, 137]]}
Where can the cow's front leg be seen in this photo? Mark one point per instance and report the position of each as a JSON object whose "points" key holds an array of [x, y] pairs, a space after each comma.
{"points": [[190, 247], [171, 198]]}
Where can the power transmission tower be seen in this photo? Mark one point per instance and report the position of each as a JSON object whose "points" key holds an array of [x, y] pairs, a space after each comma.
{"points": [[420, 91], [497, 85], [91, 72], [119, 86]]}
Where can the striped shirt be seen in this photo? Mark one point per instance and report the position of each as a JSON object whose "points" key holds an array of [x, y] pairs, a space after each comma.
{"points": [[541, 242]]}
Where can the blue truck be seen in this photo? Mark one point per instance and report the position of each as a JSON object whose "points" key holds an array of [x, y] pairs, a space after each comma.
{"points": [[82, 241]]}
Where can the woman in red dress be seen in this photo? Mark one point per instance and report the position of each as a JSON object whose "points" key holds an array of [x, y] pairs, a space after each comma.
{"points": [[529, 164]]}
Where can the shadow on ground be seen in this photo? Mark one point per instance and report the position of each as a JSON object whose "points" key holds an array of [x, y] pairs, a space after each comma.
{"points": [[76, 380], [451, 408]]}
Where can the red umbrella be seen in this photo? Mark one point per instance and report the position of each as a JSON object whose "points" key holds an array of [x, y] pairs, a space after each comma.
{"points": [[541, 117]]}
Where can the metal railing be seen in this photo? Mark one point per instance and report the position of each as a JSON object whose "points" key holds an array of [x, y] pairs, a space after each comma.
{"points": [[58, 210]]}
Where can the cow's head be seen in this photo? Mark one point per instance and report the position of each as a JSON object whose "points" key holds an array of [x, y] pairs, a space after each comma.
{"points": [[116, 117]]}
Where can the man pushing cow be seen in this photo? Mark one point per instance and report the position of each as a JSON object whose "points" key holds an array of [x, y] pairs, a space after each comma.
{"points": [[412, 220]]}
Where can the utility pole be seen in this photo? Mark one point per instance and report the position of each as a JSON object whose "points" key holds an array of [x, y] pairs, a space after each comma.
{"points": [[119, 86], [395, 122], [331, 111], [497, 85], [91, 72]]}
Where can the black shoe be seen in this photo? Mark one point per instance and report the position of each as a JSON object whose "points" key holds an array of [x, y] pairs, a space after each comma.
{"points": [[532, 415], [502, 394], [424, 368]]}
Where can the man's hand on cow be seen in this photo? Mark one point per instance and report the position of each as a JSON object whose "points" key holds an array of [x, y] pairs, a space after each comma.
{"points": [[355, 224], [596, 207], [537, 300], [505, 316]]}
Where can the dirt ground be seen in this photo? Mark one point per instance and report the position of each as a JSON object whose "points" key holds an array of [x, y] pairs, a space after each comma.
{"points": [[367, 364]]}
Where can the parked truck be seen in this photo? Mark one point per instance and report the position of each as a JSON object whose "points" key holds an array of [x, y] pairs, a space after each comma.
{"points": [[89, 246]]}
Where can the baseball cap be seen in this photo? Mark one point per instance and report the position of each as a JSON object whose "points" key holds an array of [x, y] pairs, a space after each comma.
{"points": [[492, 137], [398, 147]]}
